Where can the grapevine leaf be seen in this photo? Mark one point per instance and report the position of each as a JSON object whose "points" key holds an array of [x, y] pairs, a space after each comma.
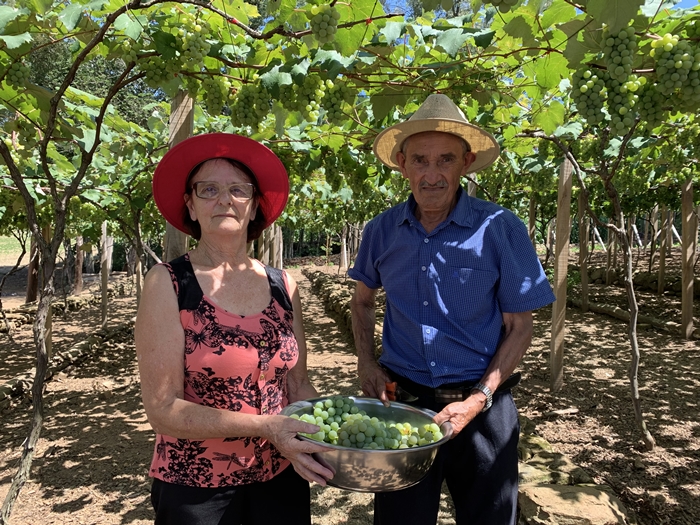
{"points": [[165, 44], [41, 6], [571, 130], [8, 14], [451, 41], [392, 31], [557, 13], [430, 5], [510, 132], [131, 25], [519, 27], [15, 41], [384, 101], [550, 117], [549, 70], [332, 62], [615, 13], [613, 149], [70, 16], [483, 37], [273, 79], [652, 7]]}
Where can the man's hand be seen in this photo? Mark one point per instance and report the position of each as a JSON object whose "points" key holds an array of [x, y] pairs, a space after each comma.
{"points": [[461, 414], [373, 380]]}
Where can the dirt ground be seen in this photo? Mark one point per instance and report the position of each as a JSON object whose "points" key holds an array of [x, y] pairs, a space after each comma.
{"points": [[90, 465]]}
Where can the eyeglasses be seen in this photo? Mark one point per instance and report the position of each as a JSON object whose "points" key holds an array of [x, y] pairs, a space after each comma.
{"points": [[240, 191]]}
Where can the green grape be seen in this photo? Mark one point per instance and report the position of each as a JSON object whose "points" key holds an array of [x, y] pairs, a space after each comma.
{"points": [[192, 43], [26, 135], [622, 99], [323, 20], [251, 106], [17, 75], [359, 430], [651, 106], [618, 52], [589, 93], [216, 91], [337, 101], [128, 49], [304, 97]]}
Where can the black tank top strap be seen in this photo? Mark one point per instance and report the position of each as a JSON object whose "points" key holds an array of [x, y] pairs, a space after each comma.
{"points": [[278, 287], [189, 294]]}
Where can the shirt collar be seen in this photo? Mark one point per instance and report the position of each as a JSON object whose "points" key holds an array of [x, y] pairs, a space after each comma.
{"points": [[461, 215]]}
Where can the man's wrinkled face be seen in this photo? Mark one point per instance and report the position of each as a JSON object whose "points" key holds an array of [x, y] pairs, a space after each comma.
{"points": [[434, 162]]}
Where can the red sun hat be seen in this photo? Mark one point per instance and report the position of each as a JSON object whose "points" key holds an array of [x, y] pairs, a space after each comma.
{"points": [[172, 171]]}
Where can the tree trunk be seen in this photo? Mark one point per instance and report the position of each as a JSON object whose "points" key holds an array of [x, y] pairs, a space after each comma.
{"points": [[561, 264], [344, 247], [609, 259], [688, 248], [79, 257], [664, 231], [105, 263], [68, 273], [532, 219], [32, 272], [584, 234]]}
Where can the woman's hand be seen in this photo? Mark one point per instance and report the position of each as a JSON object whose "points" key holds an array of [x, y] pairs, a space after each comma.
{"points": [[282, 432]]}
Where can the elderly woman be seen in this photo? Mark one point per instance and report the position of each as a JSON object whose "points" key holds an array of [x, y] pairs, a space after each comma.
{"points": [[221, 348]]}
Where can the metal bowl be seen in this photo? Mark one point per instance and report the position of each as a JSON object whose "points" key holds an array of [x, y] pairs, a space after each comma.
{"points": [[367, 470]]}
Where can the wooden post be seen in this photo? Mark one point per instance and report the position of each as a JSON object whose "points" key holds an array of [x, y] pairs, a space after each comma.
{"points": [[688, 248], [561, 263], [344, 247], [79, 256], [471, 187], [664, 235], [32, 272], [104, 272], [609, 259], [181, 127], [583, 234]]}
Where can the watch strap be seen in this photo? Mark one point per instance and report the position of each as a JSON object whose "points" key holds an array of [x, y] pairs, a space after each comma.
{"points": [[487, 392]]}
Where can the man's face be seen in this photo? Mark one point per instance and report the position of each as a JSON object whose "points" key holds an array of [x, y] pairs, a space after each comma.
{"points": [[433, 162]]}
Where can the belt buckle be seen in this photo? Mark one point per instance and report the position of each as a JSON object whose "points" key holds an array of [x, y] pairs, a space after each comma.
{"points": [[447, 396]]}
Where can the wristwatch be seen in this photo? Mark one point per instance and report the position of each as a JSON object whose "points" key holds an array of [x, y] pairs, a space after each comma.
{"points": [[487, 392]]}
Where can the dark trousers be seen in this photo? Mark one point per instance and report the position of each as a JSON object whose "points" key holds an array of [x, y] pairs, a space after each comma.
{"points": [[286, 498], [480, 466]]}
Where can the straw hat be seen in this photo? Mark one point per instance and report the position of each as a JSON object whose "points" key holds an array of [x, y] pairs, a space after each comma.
{"points": [[172, 171], [437, 113]]}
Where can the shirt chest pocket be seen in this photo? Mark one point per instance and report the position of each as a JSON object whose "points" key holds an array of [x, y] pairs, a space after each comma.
{"points": [[467, 293]]}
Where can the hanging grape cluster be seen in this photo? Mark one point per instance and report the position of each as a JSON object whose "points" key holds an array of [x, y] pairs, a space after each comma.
{"points": [[17, 74], [618, 53], [216, 94], [324, 22], [304, 98], [337, 101], [192, 44], [678, 68], [26, 135], [589, 94], [252, 104]]}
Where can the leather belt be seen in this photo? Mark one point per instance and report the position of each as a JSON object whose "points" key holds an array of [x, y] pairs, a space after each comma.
{"points": [[449, 393]]}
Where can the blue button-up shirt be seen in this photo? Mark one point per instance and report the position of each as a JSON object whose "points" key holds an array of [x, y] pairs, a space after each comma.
{"points": [[446, 290]]}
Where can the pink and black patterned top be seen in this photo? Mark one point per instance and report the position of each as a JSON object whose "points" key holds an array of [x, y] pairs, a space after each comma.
{"points": [[232, 362]]}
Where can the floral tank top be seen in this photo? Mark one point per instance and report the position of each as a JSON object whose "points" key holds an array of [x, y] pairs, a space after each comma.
{"points": [[232, 362]]}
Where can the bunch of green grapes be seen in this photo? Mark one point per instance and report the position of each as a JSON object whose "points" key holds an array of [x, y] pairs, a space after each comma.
{"points": [[651, 106], [589, 94], [156, 71], [192, 42], [216, 94], [324, 22], [129, 50], [618, 51], [622, 99], [304, 98], [341, 423], [692, 29], [336, 100], [191, 85], [675, 59], [252, 104], [502, 5], [26, 133], [17, 75]]}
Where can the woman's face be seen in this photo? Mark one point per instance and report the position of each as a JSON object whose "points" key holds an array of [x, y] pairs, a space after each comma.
{"points": [[225, 213]]}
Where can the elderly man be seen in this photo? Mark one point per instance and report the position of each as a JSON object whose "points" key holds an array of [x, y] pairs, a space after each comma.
{"points": [[461, 279]]}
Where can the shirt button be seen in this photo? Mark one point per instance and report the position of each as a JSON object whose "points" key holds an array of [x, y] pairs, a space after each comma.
{"points": [[426, 240], [425, 303], [427, 331], [423, 268], [432, 363], [262, 377]]}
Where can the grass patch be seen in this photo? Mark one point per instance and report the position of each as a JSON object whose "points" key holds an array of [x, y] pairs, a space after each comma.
{"points": [[10, 246]]}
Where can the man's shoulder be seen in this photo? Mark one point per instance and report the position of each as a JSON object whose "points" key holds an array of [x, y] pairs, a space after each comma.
{"points": [[487, 209], [390, 217]]}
